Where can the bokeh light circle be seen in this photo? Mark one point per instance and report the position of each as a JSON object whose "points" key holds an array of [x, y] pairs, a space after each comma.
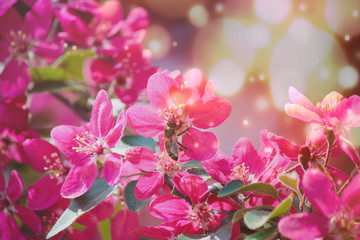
{"points": [[259, 35], [272, 11], [348, 77], [158, 41], [198, 15], [343, 16], [228, 76]]}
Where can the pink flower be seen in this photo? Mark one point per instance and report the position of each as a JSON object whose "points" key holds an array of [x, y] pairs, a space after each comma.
{"points": [[92, 142], [157, 166], [8, 207], [44, 158], [86, 23], [335, 112], [337, 217], [203, 215], [13, 130], [22, 35], [187, 102], [130, 72]]}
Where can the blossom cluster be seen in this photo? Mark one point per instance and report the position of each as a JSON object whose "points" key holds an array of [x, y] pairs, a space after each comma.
{"points": [[154, 153]]}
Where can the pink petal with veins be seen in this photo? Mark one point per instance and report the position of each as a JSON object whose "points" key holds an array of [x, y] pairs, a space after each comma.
{"points": [[148, 185], [79, 180], [159, 89], [116, 132], [113, 165], [169, 206], [145, 120], [102, 119], [195, 188], [142, 158]]}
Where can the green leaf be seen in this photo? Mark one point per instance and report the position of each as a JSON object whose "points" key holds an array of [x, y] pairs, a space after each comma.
{"points": [[266, 234], [241, 212], [72, 62], [291, 180], [261, 188], [200, 172], [145, 142], [131, 201], [282, 208], [48, 74], [256, 218], [98, 192], [232, 187]]}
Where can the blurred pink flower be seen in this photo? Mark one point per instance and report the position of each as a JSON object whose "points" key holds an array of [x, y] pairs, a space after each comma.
{"points": [[336, 217], [9, 195], [335, 112], [84, 145]]}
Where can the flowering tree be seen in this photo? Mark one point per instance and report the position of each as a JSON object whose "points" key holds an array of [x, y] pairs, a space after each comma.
{"points": [[107, 163]]}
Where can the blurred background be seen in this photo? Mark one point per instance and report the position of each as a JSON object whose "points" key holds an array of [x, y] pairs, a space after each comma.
{"points": [[254, 50]]}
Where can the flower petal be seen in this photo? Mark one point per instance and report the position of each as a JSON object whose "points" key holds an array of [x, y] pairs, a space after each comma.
{"points": [[2, 182], [148, 185], [14, 187], [169, 207], [145, 120], [302, 113], [14, 79], [351, 196], [41, 154], [319, 190], [304, 226], [116, 133], [142, 158], [44, 193], [28, 217], [123, 225], [102, 119], [49, 50], [209, 114], [14, 23], [201, 145], [156, 232], [65, 139], [219, 167], [113, 165], [195, 188], [79, 180], [159, 88], [297, 98], [9, 227], [38, 20], [221, 204], [244, 152]]}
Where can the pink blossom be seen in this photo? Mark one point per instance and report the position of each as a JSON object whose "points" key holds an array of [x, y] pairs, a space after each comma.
{"points": [[87, 23], [157, 166], [29, 34], [9, 195], [44, 158], [92, 142], [13, 130], [187, 102], [335, 112], [203, 215], [129, 72], [336, 217]]}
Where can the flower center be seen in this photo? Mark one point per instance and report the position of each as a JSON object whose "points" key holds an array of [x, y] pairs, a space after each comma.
{"points": [[167, 165], [54, 165], [240, 172], [344, 220], [201, 216], [86, 143], [19, 41], [174, 113]]}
